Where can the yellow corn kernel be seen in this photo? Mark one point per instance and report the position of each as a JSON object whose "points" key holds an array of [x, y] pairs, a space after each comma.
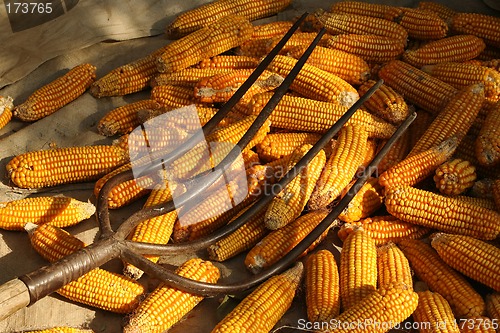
{"points": [[441, 278], [493, 305], [261, 310], [56, 94], [484, 26], [455, 177], [6, 107], [434, 313], [441, 10], [322, 286], [385, 103], [392, 266], [487, 145], [368, 199], [420, 24]]}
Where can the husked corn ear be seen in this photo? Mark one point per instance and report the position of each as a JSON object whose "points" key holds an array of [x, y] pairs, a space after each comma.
{"points": [[57, 166], [397, 152], [384, 229], [442, 279], [419, 23], [57, 211], [370, 48], [385, 103], [271, 29], [484, 26], [261, 310], [368, 199], [56, 94], [279, 242], [427, 209], [367, 9], [6, 106], [392, 266], [449, 49], [487, 145], [166, 306], [298, 39], [455, 177], [289, 203], [493, 305], [477, 324], [124, 119], [416, 86], [416, 168], [340, 168], [441, 10], [187, 77], [322, 286], [172, 96], [434, 313], [62, 330], [208, 14], [316, 83], [347, 66], [278, 145], [472, 257], [454, 120], [220, 36]]}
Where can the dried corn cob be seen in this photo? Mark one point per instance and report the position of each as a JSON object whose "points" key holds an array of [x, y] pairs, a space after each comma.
{"points": [[165, 306], [6, 107], [434, 313], [420, 24], [416, 86], [358, 268], [487, 145], [297, 39], [472, 257], [279, 242], [496, 193], [255, 48], [367, 9], [207, 15], [98, 288], [449, 49], [187, 77], [441, 10], [289, 203], [370, 48], [124, 119], [454, 120], [220, 62], [441, 278], [261, 310], [396, 154], [455, 177], [368, 199], [57, 166], [477, 324], [310, 78], [493, 305], [385, 103], [57, 211], [62, 329], [278, 145], [427, 209], [56, 94], [172, 96], [419, 126], [348, 154], [392, 266], [482, 188], [347, 66], [416, 168], [223, 35], [384, 229], [322, 286], [484, 26]]}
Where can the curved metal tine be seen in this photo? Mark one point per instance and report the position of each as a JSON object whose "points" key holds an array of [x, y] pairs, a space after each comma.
{"points": [[155, 249], [102, 207], [207, 289], [200, 184]]}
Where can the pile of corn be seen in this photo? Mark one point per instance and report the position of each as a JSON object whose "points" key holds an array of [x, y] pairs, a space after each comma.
{"points": [[414, 236]]}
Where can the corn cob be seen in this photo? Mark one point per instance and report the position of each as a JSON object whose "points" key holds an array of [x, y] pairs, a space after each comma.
{"points": [[392, 266], [482, 188], [493, 305], [450, 49], [98, 288], [454, 120], [278, 145], [340, 167], [477, 324], [6, 107], [367, 9], [289, 203], [427, 209], [57, 211], [484, 26], [279, 242], [370, 48], [62, 330], [207, 15], [64, 165], [297, 39], [420, 24], [385, 103], [396, 154], [261, 310], [416, 86], [166, 306], [488, 142], [172, 96], [322, 286], [365, 202], [472, 257], [441, 10], [455, 177], [434, 313], [442, 279], [416, 168], [384, 229], [223, 35], [250, 158], [310, 78], [221, 62], [188, 77], [419, 126], [56, 94], [496, 193], [347, 66], [124, 119]]}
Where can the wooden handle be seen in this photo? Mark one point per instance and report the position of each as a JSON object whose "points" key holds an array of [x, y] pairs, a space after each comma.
{"points": [[14, 296]]}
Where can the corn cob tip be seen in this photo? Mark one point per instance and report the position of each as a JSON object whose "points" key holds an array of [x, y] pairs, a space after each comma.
{"points": [[30, 227], [6, 103]]}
